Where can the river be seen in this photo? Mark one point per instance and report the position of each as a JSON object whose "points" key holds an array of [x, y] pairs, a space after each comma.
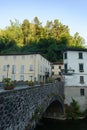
{"points": [[46, 124]]}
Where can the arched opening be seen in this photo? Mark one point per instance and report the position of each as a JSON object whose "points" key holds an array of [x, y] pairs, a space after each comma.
{"points": [[54, 110]]}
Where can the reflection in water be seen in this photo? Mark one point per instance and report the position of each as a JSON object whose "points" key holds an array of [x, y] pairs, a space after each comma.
{"points": [[62, 125]]}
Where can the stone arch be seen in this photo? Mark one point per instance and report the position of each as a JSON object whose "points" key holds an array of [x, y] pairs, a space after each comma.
{"points": [[54, 108]]}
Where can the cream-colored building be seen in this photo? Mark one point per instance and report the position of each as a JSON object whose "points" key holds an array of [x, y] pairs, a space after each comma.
{"points": [[56, 69], [24, 67]]}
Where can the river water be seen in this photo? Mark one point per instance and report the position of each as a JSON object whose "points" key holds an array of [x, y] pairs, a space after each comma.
{"points": [[46, 124]]}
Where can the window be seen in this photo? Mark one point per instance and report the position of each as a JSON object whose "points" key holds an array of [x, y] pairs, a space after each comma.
{"points": [[81, 79], [31, 68], [59, 73], [82, 93], [40, 68], [59, 67], [12, 77], [4, 67], [21, 77], [52, 67], [65, 66], [13, 69], [22, 69], [81, 68], [52, 73], [14, 57], [80, 55], [30, 78], [65, 55]]}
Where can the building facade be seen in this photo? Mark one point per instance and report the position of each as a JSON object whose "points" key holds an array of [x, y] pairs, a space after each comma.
{"points": [[56, 69], [75, 76], [24, 67]]}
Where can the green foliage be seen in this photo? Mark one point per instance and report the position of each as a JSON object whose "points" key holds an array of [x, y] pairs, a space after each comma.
{"points": [[25, 31], [50, 80], [74, 104], [37, 113], [31, 83], [48, 40], [72, 111], [7, 81], [8, 84]]}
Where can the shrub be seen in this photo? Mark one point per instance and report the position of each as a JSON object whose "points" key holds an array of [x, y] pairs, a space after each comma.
{"points": [[72, 110]]}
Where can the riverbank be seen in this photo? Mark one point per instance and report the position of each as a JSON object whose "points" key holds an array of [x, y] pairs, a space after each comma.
{"points": [[63, 118]]}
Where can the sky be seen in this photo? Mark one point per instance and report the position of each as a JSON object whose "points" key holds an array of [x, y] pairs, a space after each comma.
{"points": [[72, 13]]}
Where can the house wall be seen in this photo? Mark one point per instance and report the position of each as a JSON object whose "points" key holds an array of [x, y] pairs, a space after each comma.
{"points": [[74, 92], [73, 63], [39, 66], [73, 85], [56, 69]]}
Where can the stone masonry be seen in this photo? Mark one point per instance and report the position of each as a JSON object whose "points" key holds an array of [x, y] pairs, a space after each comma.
{"points": [[18, 106]]}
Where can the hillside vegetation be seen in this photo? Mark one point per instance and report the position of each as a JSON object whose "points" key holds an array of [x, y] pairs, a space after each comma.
{"points": [[30, 37]]}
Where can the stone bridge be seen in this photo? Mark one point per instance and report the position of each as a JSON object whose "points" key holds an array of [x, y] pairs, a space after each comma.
{"points": [[21, 108]]}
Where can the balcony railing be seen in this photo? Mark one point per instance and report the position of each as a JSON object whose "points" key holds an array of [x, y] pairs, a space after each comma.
{"points": [[67, 72]]}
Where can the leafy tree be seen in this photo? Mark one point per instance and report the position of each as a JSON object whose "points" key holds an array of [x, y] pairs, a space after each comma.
{"points": [[25, 31], [37, 29], [48, 29], [78, 41], [37, 22], [59, 29]]}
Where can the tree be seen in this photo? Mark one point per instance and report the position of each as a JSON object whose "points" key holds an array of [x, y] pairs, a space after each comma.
{"points": [[25, 31], [49, 40], [48, 29], [37, 29], [13, 32], [59, 29], [78, 41]]}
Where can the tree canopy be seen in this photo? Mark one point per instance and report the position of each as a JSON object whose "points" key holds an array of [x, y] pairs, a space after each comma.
{"points": [[48, 40]]}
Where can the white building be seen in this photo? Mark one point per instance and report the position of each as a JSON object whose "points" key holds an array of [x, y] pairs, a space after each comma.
{"points": [[24, 67], [75, 75]]}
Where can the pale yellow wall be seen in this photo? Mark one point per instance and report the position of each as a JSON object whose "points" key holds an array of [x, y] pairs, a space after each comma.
{"points": [[36, 60], [56, 69]]}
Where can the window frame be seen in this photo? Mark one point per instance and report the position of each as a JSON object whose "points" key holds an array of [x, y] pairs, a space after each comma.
{"points": [[13, 69], [80, 55], [22, 77], [31, 67], [81, 67], [60, 67], [82, 92], [65, 67], [65, 55], [82, 79], [22, 69]]}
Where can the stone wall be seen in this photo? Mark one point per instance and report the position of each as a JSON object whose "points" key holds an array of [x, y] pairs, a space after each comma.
{"points": [[18, 106]]}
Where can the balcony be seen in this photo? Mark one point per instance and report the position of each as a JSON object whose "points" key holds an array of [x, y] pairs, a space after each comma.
{"points": [[67, 72]]}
